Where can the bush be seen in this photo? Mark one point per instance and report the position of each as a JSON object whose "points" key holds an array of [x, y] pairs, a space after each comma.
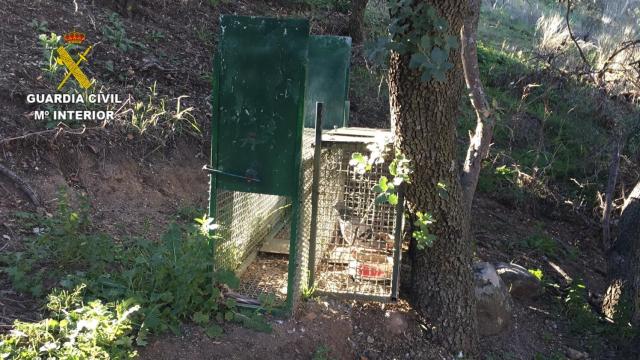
{"points": [[74, 330], [169, 281]]}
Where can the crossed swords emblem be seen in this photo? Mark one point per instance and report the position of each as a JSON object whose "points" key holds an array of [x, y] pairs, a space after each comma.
{"points": [[73, 67]]}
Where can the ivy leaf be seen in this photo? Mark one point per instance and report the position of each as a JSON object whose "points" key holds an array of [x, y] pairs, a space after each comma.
{"points": [[393, 168], [438, 75], [382, 198], [425, 42], [231, 303], [440, 24], [357, 159], [438, 56], [400, 48], [393, 199], [452, 42], [426, 75], [417, 60]]}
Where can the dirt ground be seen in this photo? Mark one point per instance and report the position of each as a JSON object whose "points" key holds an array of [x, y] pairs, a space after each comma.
{"points": [[136, 185]]}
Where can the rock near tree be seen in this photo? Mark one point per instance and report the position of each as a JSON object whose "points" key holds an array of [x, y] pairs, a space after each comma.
{"points": [[520, 283], [494, 304]]}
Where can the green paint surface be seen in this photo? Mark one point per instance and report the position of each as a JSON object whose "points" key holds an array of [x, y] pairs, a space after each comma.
{"points": [[328, 80], [258, 110]]}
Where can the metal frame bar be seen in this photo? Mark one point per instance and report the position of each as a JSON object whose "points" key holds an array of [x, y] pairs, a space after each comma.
{"points": [[315, 194], [397, 248], [295, 200], [215, 114]]}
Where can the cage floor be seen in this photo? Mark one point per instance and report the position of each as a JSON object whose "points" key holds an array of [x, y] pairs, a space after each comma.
{"points": [[279, 243], [337, 279], [267, 274]]}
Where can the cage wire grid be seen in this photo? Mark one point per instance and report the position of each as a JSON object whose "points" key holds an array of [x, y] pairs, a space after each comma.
{"points": [[354, 235], [246, 220]]}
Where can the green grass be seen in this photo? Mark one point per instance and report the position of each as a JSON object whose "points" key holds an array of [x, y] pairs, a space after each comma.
{"points": [[573, 137], [499, 31]]}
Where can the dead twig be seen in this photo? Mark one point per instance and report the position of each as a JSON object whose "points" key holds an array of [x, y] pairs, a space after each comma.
{"points": [[624, 46], [60, 129]]}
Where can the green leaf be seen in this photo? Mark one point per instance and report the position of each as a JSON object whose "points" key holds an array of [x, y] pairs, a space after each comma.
{"points": [[442, 190], [231, 303], [382, 198], [213, 331], [383, 183], [425, 42], [393, 168], [426, 75], [438, 75], [358, 158], [417, 60], [200, 318], [229, 315], [393, 199], [228, 278], [438, 56]]}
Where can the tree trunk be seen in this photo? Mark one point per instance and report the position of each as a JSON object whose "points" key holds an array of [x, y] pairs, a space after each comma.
{"points": [[424, 116], [356, 20], [481, 139], [623, 294]]}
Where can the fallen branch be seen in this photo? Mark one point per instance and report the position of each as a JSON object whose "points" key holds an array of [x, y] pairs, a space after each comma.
{"points": [[22, 185]]}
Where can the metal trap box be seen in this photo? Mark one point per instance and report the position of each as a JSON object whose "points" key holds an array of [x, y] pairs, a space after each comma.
{"points": [[353, 242], [291, 212]]}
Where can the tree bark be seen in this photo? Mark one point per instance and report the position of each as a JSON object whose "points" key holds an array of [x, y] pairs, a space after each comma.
{"points": [[424, 116], [624, 263], [481, 139], [356, 20]]}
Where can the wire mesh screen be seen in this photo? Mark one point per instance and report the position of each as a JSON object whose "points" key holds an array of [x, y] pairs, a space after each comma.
{"points": [[355, 236], [246, 221], [255, 232]]}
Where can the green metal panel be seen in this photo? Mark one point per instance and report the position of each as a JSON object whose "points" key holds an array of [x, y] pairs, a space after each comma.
{"points": [[328, 80], [260, 102]]}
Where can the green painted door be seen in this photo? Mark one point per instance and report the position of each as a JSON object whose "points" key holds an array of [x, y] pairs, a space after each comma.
{"points": [[259, 105], [328, 80]]}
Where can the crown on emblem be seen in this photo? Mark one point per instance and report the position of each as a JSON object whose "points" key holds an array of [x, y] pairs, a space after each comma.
{"points": [[74, 37]]}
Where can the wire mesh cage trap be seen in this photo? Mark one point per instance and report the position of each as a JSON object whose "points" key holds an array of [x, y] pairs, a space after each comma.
{"points": [[292, 213], [354, 240]]}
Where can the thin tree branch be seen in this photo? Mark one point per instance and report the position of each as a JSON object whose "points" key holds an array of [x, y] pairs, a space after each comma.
{"points": [[624, 46], [481, 139], [575, 41]]}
